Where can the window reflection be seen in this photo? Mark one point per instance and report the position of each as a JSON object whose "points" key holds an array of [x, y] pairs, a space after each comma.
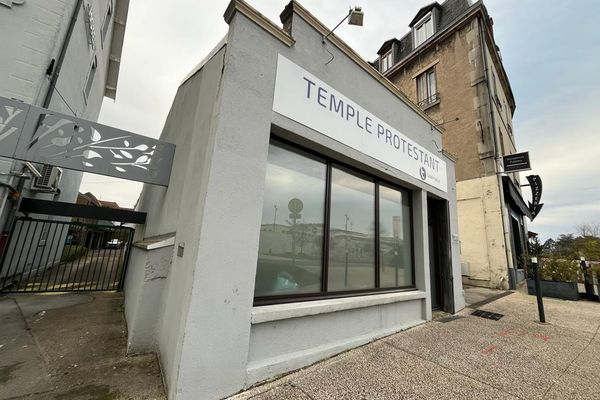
{"points": [[352, 233], [291, 235], [395, 246]]}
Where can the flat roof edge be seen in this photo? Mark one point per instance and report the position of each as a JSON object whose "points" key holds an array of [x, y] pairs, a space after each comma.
{"points": [[222, 43]]}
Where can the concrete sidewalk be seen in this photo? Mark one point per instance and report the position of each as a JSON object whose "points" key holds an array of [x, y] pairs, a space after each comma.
{"points": [[71, 346], [465, 358]]}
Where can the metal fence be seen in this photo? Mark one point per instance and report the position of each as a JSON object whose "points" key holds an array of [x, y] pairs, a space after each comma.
{"points": [[55, 256]]}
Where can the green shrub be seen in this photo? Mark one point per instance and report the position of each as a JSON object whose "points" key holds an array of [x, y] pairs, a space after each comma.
{"points": [[553, 268], [72, 252]]}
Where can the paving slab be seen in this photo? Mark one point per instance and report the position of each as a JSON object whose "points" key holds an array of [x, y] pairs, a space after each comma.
{"points": [[22, 367], [76, 350], [476, 294]]}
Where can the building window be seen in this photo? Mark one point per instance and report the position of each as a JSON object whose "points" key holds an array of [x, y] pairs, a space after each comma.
{"points": [[427, 88], [328, 230], [106, 23], [395, 244], [351, 232], [387, 61], [90, 79], [423, 30]]}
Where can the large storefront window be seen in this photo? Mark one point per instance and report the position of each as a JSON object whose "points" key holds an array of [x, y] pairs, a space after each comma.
{"points": [[290, 256], [327, 230]]}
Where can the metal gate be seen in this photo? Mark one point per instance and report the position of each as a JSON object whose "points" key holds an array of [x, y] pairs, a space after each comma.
{"points": [[54, 256]]}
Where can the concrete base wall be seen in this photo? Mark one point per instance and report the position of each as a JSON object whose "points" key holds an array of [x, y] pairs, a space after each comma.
{"points": [[144, 284], [280, 346]]}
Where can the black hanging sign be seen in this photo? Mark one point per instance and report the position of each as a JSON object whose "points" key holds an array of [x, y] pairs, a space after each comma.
{"points": [[516, 162], [535, 183]]}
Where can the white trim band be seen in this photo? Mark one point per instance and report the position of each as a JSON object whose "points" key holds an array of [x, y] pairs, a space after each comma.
{"points": [[277, 312]]}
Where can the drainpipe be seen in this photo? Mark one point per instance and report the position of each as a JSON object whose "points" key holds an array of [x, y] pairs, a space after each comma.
{"points": [[61, 57], [497, 156], [47, 98]]}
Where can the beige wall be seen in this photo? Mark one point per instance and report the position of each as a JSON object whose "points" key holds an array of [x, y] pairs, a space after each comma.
{"points": [[481, 232]]}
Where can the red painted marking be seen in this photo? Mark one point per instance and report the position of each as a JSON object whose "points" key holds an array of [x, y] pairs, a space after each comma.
{"points": [[490, 349], [504, 332], [540, 336]]}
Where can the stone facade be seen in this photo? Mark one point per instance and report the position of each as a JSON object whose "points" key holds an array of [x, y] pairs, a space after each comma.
{"points": [[460, 56]]}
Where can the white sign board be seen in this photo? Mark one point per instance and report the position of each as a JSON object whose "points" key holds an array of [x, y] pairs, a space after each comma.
{"points": [[304, 98]]}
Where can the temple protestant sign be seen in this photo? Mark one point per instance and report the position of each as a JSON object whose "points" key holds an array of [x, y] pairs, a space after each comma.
{"points": [[304, 98]]}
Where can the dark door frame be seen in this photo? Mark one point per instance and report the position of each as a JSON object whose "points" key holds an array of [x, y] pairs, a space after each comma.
{"points": [[438, 219]]}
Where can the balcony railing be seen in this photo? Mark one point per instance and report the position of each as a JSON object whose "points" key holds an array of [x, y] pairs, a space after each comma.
{"points": [[429, 100]]}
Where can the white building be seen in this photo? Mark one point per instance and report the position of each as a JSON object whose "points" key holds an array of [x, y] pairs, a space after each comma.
{"points": [[60, 55], [310, 210]]}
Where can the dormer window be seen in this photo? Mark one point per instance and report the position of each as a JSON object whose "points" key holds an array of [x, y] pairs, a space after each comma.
{"points": [[423, 30], [387, 61]]}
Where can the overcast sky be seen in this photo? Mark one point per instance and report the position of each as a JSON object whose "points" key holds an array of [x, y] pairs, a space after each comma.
{"points": [[550, 49]]}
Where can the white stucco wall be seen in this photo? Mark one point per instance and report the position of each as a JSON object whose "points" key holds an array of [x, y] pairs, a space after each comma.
{"points": [[210, 337]]}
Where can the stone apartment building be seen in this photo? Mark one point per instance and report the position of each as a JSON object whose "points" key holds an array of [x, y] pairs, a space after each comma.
{"points": [[449, 64]]}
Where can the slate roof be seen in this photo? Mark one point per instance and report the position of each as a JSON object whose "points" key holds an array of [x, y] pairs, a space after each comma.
{"points": [[448, 12]]}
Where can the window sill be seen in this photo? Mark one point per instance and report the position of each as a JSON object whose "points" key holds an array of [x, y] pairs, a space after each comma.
{"points": [[428, 106], [261, 314]]}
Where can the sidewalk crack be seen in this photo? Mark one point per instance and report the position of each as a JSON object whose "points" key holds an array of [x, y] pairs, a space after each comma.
{"points": [[572, 362], [30, 333], [452, 370]]}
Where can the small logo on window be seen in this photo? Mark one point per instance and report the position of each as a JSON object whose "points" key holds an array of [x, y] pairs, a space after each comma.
{"points": [[423, 173]]}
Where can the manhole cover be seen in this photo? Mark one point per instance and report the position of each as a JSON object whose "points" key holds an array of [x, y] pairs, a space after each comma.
{"points": [[487, 314]]}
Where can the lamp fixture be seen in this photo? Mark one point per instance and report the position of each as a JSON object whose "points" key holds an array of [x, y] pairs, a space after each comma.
{"points": [[355, 16]]}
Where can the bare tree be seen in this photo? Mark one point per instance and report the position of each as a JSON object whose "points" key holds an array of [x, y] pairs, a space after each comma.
{"points": [[588, 229]]}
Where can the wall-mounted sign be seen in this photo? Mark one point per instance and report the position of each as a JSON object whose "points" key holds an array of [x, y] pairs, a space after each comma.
{"points": [[516, 162], [535, 183], [304, 98]]}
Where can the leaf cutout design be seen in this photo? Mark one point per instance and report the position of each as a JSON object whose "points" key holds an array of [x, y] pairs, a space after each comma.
{"points": [[91, 154], [119, 169], [141, 147], [120, 157], [87, 164], [95, 135], [60, 141], [141, 159], [126, 154], [126, 143], [79, 140]]}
